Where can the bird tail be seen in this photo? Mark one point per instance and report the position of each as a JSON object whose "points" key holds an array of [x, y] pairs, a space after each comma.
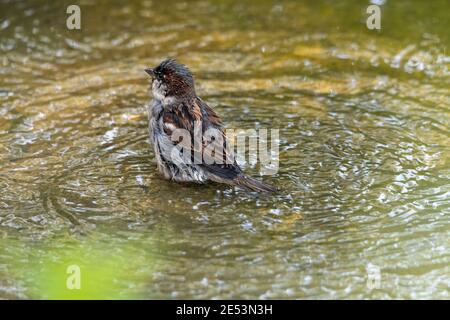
{"points": [[251, 184]]}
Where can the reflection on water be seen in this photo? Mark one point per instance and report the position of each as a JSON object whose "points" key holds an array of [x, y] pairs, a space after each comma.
{"points": [[86, 269], [364, 151]]}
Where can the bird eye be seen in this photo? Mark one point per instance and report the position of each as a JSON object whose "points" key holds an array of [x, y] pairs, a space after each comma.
{"points": [[158, 75]]}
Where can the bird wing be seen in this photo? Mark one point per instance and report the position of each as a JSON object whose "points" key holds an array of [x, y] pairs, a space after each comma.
{"points": [[206, 143]]}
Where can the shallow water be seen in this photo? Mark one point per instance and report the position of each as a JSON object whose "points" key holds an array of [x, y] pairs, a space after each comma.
{"points": [[364, 151]]}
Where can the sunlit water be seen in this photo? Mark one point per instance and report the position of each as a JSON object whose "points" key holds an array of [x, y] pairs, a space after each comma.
{"points": [[364, 151]]}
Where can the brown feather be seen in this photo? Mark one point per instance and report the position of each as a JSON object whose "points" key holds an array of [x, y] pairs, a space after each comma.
{"points": [[182, 112]]}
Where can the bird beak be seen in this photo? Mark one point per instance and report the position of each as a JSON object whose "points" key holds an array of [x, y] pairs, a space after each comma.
{"points": [[150, 72]]}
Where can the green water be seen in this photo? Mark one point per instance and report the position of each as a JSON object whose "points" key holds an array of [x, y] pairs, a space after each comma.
{"points": [[364, 151]]}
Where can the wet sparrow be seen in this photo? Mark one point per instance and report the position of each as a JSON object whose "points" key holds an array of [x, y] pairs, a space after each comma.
{"points": [[187, 135]]}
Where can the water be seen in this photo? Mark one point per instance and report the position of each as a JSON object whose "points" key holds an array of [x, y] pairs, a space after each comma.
{"points": [[364, 151]]}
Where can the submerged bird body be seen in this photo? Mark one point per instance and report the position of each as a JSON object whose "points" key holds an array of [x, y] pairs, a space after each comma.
{"points": [[177, 111]]}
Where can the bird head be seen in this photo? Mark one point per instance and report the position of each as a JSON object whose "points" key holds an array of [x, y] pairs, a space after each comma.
{"points": [[171, 81]]}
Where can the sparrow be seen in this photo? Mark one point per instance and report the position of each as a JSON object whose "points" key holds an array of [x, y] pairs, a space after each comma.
{"points": [[177, 116]]}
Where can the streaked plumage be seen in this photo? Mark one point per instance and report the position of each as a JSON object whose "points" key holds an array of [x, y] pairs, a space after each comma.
{"points": [[175, 106]]}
